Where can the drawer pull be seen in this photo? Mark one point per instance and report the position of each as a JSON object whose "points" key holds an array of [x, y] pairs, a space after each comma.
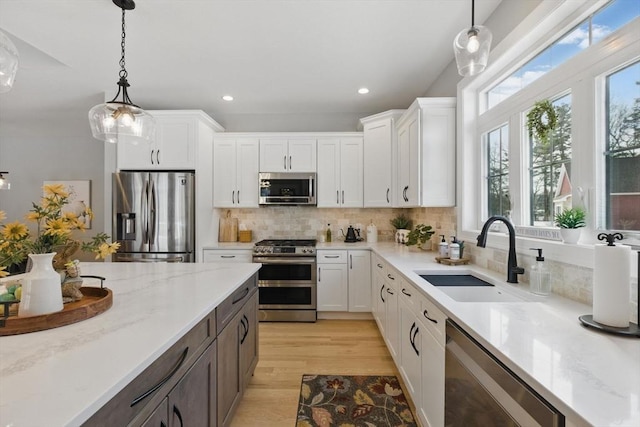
{"points": [[244, 294], [382, 296], [391, 277], [153, 389], [389, 291], [245, 325], [404, 291], [379, 265], [332, 256], [227, 256], [426, 314], [176, 412], [412, 338]]}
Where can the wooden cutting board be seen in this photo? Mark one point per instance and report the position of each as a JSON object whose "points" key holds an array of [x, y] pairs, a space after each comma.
{"points": [[228, 230]]}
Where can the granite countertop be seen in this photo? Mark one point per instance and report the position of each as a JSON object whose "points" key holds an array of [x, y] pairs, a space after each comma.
{"points": [[61, 376], [593, 378]]}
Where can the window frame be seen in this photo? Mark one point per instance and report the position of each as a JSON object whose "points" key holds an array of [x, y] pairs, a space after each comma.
{"points": [[586, 86]]}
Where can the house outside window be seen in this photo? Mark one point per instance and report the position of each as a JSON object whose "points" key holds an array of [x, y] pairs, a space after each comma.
{"points": [[622, 154]]}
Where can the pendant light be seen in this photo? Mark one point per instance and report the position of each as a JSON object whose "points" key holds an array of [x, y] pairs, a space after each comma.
{"points": [[471, 47], [8, 63], [122, 119]]}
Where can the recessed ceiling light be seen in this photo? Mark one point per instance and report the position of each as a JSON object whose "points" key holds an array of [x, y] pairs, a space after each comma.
{"points": [[228, 98], [363, 91]]}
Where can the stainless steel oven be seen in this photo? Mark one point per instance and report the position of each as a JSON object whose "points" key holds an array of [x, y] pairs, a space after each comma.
{"points": [[287, 288], [481, 391]]}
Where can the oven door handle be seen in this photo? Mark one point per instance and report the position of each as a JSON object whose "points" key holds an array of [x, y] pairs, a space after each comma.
{"points": [[287, 260]]}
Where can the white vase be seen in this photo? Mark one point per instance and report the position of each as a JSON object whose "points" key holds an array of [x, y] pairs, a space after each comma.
{"points": [[570, 235], [401, 235], [41, 289]]}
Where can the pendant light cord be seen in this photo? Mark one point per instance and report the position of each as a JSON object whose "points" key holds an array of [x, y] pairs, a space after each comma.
{"points": [[123, 70], [473, 6]]}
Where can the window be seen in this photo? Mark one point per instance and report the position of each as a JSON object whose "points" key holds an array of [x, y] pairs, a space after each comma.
{"points": [[609, 18], [622, 155], [550, 168], [498, 171]]}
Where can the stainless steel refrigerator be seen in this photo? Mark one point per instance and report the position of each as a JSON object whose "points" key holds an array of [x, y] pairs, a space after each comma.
{"points": [[154, 216]]}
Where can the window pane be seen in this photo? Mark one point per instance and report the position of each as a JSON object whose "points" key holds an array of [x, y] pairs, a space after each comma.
{"points": [[613, 16], [623, 149], [550, 168], [498, 202]]}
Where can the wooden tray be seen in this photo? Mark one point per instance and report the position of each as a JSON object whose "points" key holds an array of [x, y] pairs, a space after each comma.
{"points": [[94, 302], [449, 261]]}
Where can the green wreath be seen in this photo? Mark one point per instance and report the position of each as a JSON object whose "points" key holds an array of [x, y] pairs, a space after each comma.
{"points": [[542, 119]]}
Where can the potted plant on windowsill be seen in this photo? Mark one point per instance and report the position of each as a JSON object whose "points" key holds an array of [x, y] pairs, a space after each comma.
{"points": [[402, 224], [419, 236], [570, 222]]}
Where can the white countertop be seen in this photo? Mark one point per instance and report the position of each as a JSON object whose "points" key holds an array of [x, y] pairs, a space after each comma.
{"points": [[61, 376], [593, 378]]}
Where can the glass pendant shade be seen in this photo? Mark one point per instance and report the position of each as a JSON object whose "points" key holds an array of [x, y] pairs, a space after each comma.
{"points": [[114, 121], [471, 47], [8, 63]]}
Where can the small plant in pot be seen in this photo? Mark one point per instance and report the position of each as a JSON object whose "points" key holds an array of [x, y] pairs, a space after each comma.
{"points": [[419, 236], [570, 222], [402, 224]]}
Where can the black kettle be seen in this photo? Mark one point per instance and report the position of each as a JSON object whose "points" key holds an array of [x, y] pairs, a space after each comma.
{"points": [[351, 235]]}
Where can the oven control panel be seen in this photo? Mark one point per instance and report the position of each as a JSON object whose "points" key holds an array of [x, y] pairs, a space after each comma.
{"points": [[283, 250]]}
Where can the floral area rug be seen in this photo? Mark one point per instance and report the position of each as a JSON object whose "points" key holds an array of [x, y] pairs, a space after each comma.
{"points": [[352, 401]]}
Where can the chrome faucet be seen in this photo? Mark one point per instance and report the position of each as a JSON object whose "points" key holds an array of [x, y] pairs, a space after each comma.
{"points": [[512, 264]]}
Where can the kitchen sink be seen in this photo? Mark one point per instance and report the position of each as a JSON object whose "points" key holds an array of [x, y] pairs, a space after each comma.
{"points": [[468, 288]]}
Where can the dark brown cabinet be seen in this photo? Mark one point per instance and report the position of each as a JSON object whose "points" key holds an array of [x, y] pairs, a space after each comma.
{"points": [[237, 352]]}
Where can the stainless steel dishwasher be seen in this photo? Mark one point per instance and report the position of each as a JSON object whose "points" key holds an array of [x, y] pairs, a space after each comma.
{"points": [[481, 391]]}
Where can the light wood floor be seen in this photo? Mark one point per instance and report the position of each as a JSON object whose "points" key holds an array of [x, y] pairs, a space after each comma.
{"points": [[289, 350]]}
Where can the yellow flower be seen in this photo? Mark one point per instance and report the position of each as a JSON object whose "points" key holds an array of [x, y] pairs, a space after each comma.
{"points": [[78, 224], [55, 190], [106, 249], [2, 216], [57, 227], [15, 231], [33, 216], [70, 217], [3, 273], [88, 212]]}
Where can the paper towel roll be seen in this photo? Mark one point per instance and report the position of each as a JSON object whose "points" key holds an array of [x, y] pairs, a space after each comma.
{"points": [[611, 284]]}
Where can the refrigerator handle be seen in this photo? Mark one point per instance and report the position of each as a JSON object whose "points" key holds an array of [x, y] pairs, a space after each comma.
{"points": [[145, 214], [152, 214]]}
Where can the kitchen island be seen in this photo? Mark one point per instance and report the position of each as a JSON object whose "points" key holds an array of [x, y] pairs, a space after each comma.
{"points": [[62, 376]]}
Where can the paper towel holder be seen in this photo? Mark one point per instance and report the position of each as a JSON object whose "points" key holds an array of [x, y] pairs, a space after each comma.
{"points": [[633, 330]]}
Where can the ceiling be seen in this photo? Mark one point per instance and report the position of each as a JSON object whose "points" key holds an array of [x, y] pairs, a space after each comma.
{"points": [[273, 56]]}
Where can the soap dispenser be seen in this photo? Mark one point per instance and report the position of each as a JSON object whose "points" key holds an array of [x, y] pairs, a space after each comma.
{"points": [[540, 276], [454, 248], [443, 248]]}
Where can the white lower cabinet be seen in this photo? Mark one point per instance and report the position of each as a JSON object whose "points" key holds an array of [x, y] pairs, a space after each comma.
{"points": [[227, 255], [344, 280], [414, 331]]}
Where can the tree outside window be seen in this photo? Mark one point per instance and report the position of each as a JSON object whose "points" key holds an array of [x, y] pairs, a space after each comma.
{"points": [[550, 168], [499, 202], [622, 155]]}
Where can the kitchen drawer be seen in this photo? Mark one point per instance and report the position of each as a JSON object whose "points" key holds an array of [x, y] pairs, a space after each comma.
{"points": [[143, 395], [331, 257], [410, 295], [230, 306], [433, 319], [227, 255], [379, 265]]}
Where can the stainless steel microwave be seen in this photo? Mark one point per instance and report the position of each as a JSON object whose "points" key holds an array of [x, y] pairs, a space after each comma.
{"points": [[288, 188]]}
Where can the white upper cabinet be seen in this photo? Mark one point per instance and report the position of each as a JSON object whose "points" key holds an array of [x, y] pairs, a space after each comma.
{"points": [[340, 172], [235, 172], [175, 145], [380, 142], [288, 155], [426, 154]]}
